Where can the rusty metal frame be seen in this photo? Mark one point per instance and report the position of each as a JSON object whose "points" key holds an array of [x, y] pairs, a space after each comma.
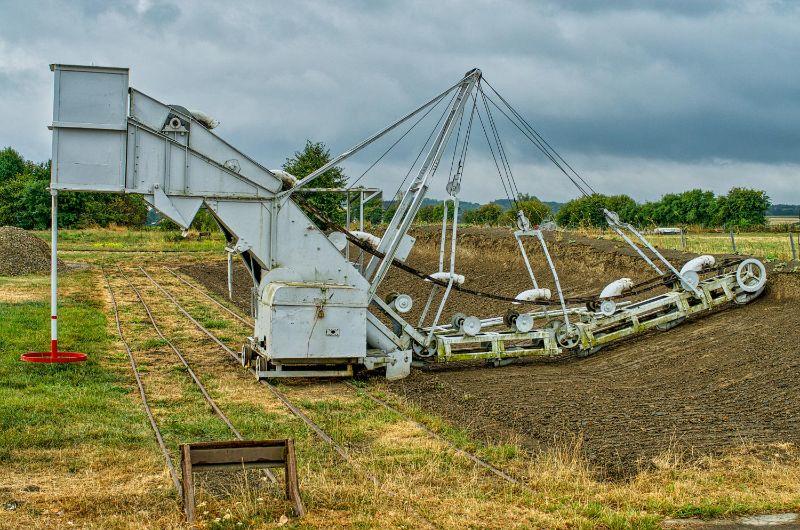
{"points": [[239, 454]]}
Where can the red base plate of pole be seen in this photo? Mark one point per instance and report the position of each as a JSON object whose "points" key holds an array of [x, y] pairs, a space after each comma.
{"points": [[54, 356], [59, 358]]}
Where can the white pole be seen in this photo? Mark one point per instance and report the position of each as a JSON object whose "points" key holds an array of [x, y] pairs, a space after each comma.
{"points": [[230, 276], [54, 274]]}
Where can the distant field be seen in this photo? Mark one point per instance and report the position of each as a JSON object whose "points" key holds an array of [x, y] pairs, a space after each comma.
{"points": [[777, 220], [123, 239], [767, 245]]}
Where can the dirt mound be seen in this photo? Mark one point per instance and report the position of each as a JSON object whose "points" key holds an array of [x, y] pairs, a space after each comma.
{"points": [[702, 387], [22, 253]]}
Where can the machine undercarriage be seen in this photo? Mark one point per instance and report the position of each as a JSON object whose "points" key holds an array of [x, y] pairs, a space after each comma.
{"points": [[317, 311]]}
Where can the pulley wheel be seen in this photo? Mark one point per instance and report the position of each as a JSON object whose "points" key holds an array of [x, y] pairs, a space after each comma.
{"points": [[471, 326], [457, 320], [751, 275], [510, 317], [608, 307], [402, 303], [423, 352], [524, 323], [566, 338], [690, 280]]}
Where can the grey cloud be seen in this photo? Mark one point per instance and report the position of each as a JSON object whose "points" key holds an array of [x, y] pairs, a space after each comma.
{"points": [[676, 84]]}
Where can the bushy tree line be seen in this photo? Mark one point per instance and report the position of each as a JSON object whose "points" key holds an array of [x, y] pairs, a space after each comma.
{"points": [[740, 208], [25, 199]]}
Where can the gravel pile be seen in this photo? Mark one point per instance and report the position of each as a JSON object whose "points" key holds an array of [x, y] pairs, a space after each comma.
{"points": [[22, 253]]}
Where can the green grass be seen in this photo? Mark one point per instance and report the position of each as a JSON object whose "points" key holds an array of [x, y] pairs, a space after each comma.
{"points": [[135, 240], [55, 406]]}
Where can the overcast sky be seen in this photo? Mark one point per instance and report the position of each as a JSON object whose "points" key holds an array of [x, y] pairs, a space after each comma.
{"points": [[640, 97]]}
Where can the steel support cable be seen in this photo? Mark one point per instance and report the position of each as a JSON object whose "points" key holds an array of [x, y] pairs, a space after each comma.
{"points": [[647, 285], [530, 127], [541, 147], [496, 164], [500, 148], [395, 197], [455, 146], [159, 439], [396, 142]]}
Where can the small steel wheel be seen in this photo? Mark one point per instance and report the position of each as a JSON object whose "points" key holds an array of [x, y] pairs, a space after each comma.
{"points": [[423, 352], [608, 307], [590, 351], [666, 326], [457, 320], [751, 275], [510, 317]]}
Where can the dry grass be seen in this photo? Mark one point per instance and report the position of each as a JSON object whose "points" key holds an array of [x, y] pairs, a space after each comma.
{"points": [[420, 480]]}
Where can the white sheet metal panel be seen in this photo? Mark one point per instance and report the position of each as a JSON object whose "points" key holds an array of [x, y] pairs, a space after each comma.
{"points": [[89, 128], [312, 321]]}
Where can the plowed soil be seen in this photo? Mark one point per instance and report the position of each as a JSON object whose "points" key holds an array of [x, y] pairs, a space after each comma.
{"points": [[702, 387]]}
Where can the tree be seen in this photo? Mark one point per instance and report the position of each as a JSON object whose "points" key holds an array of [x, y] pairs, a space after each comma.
{"points": [[588, 210], [11, 164], [487, 214], [433, 213], [742, 208], [693, 207], [313, 156], [535, 210]]}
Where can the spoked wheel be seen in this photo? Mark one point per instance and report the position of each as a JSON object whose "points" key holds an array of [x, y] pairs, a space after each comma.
{"points": [[566, 338], [423, 352], [751, 275]]}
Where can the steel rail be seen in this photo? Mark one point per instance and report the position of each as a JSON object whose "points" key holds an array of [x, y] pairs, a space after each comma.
{"points": [[159, 438], [215, 301], [459, 451], [211, 402], [341, 451]]}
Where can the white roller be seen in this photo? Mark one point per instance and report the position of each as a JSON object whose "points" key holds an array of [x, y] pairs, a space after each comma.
{"points": [[616, 288], [699, 263], [286, 177], [204, 118], [370, 239], [458, 279], [531, 295]]}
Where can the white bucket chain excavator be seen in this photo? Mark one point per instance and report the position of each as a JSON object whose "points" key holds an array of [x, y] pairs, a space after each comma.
{"points": [[319, 314]]}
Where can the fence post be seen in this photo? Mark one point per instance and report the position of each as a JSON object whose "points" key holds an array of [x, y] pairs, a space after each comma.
{"points": [[794, 249], [733, 242], [683, 239]]}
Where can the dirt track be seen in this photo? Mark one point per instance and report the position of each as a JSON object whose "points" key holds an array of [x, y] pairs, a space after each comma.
{"points": [[703, 386]]}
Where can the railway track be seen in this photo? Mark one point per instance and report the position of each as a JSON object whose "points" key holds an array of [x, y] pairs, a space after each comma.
{"points": [[195, 379], [249, 323], [280, 396]]}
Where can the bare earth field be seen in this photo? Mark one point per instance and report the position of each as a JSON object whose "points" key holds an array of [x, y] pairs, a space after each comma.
{"points": [[709, 385]]}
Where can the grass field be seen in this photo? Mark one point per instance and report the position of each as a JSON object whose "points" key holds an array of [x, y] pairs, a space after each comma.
{"points": [[76, 448], [767, 245]]}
